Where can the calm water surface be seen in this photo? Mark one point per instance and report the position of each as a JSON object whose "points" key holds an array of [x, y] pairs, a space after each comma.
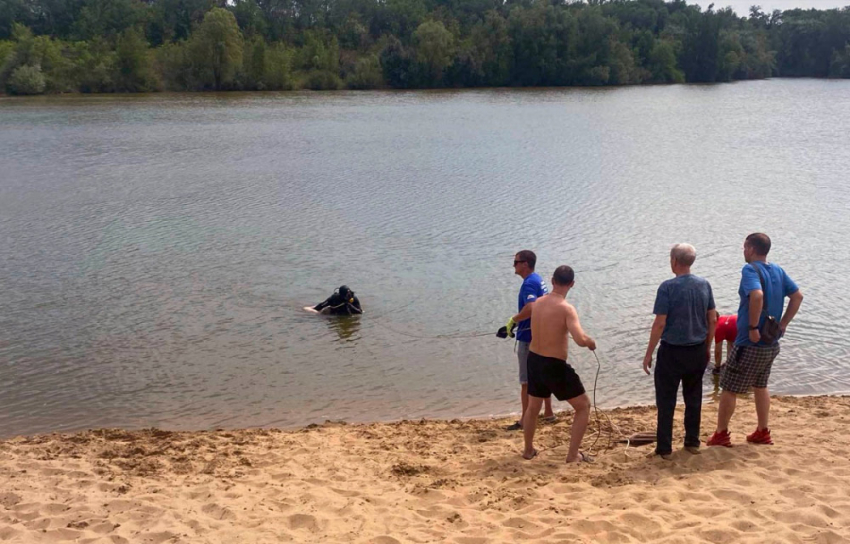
{"points": [[155, 251]]}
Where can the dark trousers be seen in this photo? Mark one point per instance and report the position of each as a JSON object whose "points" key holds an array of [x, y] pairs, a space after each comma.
{"points": [[685, 364]]}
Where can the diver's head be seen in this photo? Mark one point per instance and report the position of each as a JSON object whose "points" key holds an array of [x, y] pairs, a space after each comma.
{"points": [[346, 293]]}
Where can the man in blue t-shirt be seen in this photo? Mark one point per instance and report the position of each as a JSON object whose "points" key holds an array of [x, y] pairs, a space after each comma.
{"points": [[532, 288], [763, 289], [685, 319]]}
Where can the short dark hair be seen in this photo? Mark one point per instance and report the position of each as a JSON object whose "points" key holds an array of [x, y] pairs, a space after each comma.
{"points": [[760, 242], [563, 275], [527, 256]]}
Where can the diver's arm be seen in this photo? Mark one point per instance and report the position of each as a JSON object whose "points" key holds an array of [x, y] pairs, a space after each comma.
{"points": [[311, 309], [354, 307]]}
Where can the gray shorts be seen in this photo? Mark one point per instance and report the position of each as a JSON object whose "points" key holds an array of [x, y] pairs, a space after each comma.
{"points": [[522, 357]]}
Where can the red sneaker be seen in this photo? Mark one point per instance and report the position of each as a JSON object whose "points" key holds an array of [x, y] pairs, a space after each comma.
{"points": [[720, 438], [761, 436]]}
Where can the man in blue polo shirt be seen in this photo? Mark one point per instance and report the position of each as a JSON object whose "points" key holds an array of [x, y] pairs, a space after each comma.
{"points": [[763, 289], [532, 288]]}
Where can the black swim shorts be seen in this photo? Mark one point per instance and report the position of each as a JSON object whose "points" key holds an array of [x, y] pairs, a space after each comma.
{"points": [[549, 376]]}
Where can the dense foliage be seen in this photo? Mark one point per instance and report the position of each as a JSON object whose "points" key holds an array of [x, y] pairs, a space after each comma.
{"points": [[148, 45]]}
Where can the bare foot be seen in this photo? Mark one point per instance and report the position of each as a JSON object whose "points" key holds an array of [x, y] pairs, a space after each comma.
{"points": [[580, 458], [530, 456]]}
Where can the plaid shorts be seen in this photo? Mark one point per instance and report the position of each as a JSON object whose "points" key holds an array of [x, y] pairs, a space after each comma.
{"points": [[747, 366]]}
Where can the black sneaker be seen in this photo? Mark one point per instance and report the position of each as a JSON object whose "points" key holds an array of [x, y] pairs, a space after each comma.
{"points": [[515, 427]]}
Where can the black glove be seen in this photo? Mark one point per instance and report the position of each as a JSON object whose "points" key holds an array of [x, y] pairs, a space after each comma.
{"points": [[503, 332]]}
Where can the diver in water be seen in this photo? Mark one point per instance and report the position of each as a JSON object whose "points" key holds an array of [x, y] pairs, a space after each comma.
{"points": [[342, 302]]}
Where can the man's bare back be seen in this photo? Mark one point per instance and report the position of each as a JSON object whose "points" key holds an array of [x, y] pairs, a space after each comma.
{"points": [[549, 326], [552, 318]]}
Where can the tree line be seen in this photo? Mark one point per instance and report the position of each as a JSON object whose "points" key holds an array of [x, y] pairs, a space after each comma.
{"points": [[58, 46]]}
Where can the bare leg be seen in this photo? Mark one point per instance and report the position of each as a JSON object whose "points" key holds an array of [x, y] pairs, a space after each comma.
{"points": [[547, 407], [581, 404], [725, 410], [529, 425], [762, 398], [524, 399]]}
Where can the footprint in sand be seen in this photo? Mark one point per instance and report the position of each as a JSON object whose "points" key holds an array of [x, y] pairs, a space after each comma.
{"points": [[217, 512], [384, 540], [303, 521]]}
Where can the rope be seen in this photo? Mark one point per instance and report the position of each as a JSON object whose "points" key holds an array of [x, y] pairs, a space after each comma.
{"points": [[612, 428]]}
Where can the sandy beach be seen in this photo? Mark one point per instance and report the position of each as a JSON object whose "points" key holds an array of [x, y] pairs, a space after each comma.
{"points": [[433, 481]]}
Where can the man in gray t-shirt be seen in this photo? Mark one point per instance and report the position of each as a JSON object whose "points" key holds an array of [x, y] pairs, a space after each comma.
{"points": [[685, 319]]}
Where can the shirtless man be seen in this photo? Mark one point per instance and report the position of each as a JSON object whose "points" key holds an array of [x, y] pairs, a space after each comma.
{"points": [[552, 319]]}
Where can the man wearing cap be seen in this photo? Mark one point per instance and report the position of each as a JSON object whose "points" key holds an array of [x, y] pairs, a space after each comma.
{"points": [[342, 302]]}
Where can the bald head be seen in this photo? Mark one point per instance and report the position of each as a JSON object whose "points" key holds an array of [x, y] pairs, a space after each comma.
{"points": [[684, 254]]}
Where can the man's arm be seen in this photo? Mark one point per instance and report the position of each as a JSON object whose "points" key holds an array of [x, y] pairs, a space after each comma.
{"points": [[796, 298], [718, 353], [575, 330], [711, 317], [311, 309], [654, 337], [756, 303], [525, 313]]}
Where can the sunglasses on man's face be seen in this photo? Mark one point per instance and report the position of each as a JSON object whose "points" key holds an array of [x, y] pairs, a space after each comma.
{"points": [[517, 262]]}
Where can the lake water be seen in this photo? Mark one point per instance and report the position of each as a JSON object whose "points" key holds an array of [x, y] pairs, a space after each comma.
{"points": [[156, 251]]}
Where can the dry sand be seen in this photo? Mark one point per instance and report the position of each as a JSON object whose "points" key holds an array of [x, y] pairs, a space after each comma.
{"points": [[432, 481]]}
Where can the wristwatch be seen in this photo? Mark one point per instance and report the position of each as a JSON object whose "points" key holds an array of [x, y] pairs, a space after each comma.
{"points": [[754, 328]]}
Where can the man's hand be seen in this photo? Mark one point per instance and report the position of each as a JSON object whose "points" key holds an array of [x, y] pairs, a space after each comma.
{"points": [[591, 344], [507, 330], [755, 336], [647, 363], [782, 328]]}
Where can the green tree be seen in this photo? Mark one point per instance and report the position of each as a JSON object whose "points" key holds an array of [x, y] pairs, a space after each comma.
{"points": [[26, 79], [254, 64], [96, 66], [215, 50], [108, 18], [367, 74], [278, 71], [174, 66], [401, 71], [250, 17], [434, 48], [840, 65], [662, 64], [134, 63]]}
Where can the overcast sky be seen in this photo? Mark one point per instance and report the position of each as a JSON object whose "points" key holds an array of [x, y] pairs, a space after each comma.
{"points": [[742, 7]]}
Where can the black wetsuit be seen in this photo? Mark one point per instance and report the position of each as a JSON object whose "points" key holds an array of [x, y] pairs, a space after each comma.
{"points": [[337, 305]]}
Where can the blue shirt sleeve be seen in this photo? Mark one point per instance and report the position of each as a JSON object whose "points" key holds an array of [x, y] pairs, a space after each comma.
{"points": [[749, 279], [662, 301], [788, 285], [527, 293]]}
